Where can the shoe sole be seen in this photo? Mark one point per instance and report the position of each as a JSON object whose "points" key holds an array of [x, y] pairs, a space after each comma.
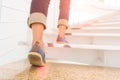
{"points": [[35, 59]]}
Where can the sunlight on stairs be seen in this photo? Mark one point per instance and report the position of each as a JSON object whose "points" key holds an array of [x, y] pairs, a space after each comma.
{"points": [[91, 54], [93, 51], [94, 44]]}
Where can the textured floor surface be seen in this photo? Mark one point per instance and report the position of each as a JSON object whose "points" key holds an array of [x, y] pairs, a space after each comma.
{"points": [[57, 71]]}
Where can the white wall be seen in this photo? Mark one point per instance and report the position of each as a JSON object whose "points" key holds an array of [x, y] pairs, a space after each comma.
{"points": [[13, 28]]}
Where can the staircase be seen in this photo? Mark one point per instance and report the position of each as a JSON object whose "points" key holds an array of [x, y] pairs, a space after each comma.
{"points": [[94, 44]]}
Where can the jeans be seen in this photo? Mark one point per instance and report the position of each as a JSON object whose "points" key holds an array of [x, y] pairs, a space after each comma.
{"points": [[39, 10]]}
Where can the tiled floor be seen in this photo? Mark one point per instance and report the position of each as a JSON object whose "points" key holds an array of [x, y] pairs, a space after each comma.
{"points": [[57, 71]]}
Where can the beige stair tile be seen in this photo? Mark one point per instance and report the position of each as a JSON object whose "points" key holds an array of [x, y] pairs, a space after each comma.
{"points": [[57, 71]]}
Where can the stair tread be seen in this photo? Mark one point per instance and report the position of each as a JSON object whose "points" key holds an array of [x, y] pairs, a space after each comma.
{"points": [[94, 28], [99, 28], [95, 34], [85, 46], [106, 23], [86, 34], [114, 20]]}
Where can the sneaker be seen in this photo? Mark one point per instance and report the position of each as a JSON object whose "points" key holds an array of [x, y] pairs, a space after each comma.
{"points": [[37, 56], [61, 40]]}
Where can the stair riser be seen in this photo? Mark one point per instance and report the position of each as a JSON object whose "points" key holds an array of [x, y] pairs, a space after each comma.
{"points": [[104, 21], [85, 56], [112, 58], [70, 54], [107, 41], [105, 25], [111, 18]]}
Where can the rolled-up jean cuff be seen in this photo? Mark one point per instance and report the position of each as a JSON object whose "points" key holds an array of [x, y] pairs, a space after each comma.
{"points": [[37, 18], [63, 22]]}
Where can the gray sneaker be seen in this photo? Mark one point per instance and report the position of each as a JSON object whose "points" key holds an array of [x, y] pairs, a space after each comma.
{"points": [[61, 39]]}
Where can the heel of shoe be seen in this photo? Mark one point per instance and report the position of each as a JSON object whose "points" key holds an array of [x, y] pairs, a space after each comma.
{"points": [[35, 59]]}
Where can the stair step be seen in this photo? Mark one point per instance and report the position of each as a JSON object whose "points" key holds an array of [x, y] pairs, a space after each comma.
{"points": [[115, 16], [93, 30], [94, 34], [85, 46], [107, 23], [87, 38], [99, 28], [100, 55], [109, 20]]}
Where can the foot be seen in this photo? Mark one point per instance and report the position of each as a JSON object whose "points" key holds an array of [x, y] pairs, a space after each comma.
{"points": [[37, 55], [61, 40]]}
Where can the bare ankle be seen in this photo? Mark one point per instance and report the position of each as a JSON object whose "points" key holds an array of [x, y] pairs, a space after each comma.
{"points": [[61, 35], [62, 30], [41, 44]]}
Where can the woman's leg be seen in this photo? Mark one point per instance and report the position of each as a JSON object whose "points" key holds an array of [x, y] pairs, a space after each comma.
{"points": [[37, 19], [37, 32], [63, 19], [37, 22]]}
